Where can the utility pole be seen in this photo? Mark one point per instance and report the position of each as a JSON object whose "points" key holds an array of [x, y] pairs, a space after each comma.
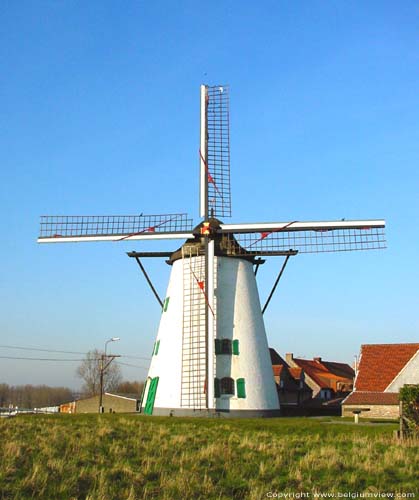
{"points": [[102, 356], [103, 368]]}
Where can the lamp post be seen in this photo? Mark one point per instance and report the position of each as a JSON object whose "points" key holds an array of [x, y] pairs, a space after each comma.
{"points": [[103, 368], [113, 339]]}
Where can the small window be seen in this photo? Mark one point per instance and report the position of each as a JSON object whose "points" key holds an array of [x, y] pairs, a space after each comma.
{"points": [[156, 350], [225, 346], [166, 304], [227, 385], [325, 394], [236, 350], [241, 388]]}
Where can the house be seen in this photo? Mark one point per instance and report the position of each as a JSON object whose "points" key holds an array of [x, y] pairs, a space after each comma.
{"points": [[112, 403], [383, 369], [327, 379], [291, 386], [68, 407]]}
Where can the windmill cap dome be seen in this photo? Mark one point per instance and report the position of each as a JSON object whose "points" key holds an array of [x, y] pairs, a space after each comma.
{"points": [[225, 244]]}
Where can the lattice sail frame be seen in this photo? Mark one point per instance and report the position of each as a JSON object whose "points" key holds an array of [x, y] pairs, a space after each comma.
{"points": [[332, 240], [215, 152], [113, 227], [314, 237]]}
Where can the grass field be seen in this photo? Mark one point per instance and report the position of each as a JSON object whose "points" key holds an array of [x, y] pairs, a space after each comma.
{"points": [[134, 457]]}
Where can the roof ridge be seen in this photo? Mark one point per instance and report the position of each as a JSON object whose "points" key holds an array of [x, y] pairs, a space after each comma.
{"points": [[393, 344]]}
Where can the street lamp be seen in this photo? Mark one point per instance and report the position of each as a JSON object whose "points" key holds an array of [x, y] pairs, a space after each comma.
{"points": [[103, 368], [113, 339]]}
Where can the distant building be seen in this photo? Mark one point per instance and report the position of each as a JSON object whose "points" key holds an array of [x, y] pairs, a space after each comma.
{"points": [[68, 407], [328, 380], [383, 369], [291, 386], [112, 403]]}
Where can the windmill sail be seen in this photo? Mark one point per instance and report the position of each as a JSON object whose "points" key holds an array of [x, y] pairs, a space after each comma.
{"points": [[307, 237], [77, 228], [215, 152]]}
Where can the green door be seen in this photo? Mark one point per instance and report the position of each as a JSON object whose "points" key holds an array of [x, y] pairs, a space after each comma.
{"points": [[151, 396]]}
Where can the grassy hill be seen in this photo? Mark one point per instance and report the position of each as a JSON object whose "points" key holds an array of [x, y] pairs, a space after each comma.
{"points": [[134, 457]]}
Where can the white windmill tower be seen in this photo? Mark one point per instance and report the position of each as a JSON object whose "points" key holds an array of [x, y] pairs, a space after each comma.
{"points": [[211, 354]]}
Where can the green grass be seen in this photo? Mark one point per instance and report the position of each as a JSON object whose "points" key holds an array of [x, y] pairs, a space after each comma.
{"points": [[134, 457]]}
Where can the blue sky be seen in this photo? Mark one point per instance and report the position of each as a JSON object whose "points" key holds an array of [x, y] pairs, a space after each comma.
{"points": [[100, 115]]}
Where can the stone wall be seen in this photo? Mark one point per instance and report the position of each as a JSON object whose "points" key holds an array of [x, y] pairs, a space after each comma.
{"points": [[376, 411]]}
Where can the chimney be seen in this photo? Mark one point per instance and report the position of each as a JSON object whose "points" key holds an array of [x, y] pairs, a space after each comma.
{"points": [[289, 358], [319, 360]]}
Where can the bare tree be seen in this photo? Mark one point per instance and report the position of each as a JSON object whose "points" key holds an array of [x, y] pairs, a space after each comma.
{"points": [[131, 387], [32, 396], [89, 372]]}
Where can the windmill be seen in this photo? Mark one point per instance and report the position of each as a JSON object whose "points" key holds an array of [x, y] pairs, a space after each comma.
{"points": [[211, 353]]}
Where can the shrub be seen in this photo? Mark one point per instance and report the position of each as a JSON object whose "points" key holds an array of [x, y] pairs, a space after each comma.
{"points": [[409, 397]]}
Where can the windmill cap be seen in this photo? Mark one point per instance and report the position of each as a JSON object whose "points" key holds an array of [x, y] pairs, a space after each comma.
{"points": [[225, 245]]}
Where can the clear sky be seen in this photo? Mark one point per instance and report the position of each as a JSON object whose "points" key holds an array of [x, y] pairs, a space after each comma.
{"points": [[100, 115]]}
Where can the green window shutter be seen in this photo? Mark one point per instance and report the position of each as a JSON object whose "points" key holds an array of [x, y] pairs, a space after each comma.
{"points": [[236, 347], [156, 350], [217, 346], [241, 388], [217, 388], [151, 396], [166, 304]]}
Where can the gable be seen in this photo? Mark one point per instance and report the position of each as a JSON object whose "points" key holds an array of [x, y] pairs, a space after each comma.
{"points": [[379, 364], [408, 375]]}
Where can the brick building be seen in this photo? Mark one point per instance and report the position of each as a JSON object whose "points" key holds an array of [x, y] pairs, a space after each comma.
{"points": [[383, 369]]}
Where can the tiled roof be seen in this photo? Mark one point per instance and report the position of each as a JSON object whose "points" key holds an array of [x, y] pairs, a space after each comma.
{"points": [[325, 373], [341, 370], [380, 363], [277, 369], [296, 373], [372, 398]]}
